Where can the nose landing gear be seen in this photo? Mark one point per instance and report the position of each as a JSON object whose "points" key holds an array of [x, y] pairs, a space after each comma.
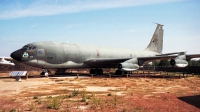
{"points": [[45, 73]]}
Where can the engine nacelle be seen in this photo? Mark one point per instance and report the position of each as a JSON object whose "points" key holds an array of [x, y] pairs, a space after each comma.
{"points": [[178, 63], [125, 66]]}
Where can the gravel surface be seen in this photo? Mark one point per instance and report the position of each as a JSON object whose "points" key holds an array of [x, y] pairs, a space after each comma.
{"points": [[103, 94]]}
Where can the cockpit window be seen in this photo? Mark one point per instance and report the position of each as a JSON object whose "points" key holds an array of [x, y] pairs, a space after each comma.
{"points": [[25, 47], [29, 47], [33, 47]]}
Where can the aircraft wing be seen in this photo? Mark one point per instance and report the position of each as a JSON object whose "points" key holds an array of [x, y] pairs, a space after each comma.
{"points": [[11, 60], [95, 62], [190, 56], [6, 61], [142, 60], [6, 58]]}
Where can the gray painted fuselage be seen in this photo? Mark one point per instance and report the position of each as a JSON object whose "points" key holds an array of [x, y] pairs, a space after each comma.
{"points": [[65, 55]]}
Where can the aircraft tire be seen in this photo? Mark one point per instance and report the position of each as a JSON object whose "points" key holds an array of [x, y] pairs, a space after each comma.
{"points": [[96, 71], [117, 72], [92, 71], [100, 71]]}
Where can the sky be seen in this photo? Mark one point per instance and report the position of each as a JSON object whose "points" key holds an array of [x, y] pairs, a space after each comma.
{"points": [[124, 24]]}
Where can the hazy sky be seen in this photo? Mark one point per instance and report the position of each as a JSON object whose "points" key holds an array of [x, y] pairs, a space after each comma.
{"points": [[113, 23]]}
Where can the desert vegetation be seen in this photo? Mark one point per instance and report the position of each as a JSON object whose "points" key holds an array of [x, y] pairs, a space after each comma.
{"points": [[101, 94]]}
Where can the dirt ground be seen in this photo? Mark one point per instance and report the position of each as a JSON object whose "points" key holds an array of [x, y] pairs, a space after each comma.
{"points": [[118, 94]]}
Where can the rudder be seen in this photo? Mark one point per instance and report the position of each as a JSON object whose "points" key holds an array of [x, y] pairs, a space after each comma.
{"points": [[156, 43]]}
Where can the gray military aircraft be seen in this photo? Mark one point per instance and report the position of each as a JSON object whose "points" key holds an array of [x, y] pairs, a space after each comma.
{"points": [[63, 56]]}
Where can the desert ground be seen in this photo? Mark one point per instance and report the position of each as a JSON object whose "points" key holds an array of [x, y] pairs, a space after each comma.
{"points": [[115, 94]]}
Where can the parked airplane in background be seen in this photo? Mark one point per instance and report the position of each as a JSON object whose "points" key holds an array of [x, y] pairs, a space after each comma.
{"points": [[63, 56], [5, 62]]}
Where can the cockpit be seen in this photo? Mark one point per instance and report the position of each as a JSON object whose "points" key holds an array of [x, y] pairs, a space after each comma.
{"points": [[29, 47]]}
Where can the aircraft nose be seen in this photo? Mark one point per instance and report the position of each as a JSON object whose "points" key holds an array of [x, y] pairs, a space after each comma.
{"points": [[17, 55]]}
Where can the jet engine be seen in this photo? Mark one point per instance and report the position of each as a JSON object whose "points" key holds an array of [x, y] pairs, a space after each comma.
{"points": [[179, 61], [129, 65]]}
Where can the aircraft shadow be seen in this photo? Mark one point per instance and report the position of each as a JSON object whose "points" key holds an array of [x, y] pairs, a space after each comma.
{"points": [[192, 100]]}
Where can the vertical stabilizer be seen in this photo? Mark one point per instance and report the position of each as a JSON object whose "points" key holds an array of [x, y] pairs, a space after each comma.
{"points": [[156, 43]]}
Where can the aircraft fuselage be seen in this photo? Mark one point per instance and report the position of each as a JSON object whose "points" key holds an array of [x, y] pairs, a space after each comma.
{"points": [[65, 55]]}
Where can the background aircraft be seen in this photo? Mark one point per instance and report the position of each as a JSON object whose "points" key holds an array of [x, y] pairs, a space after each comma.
{"points": [[3, 61], [63, 56]]}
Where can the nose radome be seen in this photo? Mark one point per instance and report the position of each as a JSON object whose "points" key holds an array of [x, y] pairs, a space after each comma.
{"points": [[17, 55]]}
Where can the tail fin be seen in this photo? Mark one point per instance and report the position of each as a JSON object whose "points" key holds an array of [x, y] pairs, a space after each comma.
{"points": [[156, 43]]}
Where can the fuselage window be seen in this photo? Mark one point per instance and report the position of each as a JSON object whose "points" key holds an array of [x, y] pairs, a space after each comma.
{"points": [[29, 47]]}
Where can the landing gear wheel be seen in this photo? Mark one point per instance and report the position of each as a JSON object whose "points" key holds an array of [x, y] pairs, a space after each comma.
{"points": [[118, 72], [100, 71], [60, 71], [45, 72], [92, 71], [96, 71]]}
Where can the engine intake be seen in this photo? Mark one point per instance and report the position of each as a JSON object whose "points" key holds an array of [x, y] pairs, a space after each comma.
{"points": [[128, 66], [178, 63]]}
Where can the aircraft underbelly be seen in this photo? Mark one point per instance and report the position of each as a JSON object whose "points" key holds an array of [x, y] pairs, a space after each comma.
{"points": [[41, 63], [68, 64]]}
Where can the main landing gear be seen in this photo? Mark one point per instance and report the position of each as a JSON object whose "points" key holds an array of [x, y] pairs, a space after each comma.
{"points": [[45, 72], [60, 71], [123, 73], [96, 71]]}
